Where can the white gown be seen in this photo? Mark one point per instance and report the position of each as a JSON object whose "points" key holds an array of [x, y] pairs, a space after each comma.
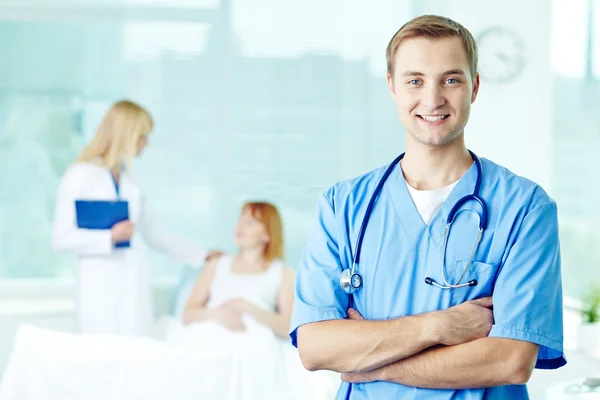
{"points": [[269, 366], [113, 285], [260, 289]]}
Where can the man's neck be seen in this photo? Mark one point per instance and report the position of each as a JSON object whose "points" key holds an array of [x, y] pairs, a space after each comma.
{"points": [[429, 168]]}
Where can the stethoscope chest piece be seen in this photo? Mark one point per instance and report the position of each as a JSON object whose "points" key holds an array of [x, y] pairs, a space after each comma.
{"points": [[350, 281]]}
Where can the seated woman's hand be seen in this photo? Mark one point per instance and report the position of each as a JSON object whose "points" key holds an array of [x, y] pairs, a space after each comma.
{"points": [[239, 305], [213, 254], [230, 318]]}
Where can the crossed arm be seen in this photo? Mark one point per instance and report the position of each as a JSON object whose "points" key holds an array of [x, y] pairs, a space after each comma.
{"points": [[443, 349], [480, 363]]}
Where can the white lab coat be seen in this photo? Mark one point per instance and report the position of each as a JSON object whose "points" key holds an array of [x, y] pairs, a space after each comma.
{"points": [[114, 293]]}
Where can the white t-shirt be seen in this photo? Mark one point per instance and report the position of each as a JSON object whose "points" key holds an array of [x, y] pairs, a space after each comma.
{"points": [[429, 201]]}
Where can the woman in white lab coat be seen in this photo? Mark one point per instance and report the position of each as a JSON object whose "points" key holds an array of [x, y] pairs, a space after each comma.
{"points": [[113, 284]]}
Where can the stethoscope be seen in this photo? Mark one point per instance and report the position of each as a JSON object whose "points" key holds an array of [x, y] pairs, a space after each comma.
{"points": [[116, 185], [351, 280]]}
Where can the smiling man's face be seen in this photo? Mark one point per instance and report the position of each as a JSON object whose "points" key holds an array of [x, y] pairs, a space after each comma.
{"points": [[433, 88]]}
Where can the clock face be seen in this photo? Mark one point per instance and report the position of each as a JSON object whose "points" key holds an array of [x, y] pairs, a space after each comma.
{"points": [[501, 55]]}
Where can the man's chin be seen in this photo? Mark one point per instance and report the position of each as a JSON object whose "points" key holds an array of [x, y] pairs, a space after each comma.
{"points": [[435, 140]]}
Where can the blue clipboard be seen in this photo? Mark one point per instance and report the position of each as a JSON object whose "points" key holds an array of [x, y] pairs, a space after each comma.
{"points": [[101, 214]]}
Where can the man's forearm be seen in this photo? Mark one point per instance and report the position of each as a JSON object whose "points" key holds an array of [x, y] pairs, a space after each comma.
{"points": [[360, 345], [481, 363]]}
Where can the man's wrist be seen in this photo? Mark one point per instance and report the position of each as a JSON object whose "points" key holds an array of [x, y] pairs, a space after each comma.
{"points": [[432, 327], [388, 373]]}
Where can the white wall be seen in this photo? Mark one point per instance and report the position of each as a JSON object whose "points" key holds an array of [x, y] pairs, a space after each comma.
{"points": [[510, 123]]}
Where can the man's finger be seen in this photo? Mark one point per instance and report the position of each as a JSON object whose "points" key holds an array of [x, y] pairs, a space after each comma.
{"points": [[484, 302], [353, 314]]}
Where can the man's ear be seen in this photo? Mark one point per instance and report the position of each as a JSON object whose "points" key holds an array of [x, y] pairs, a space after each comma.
{"points": [[476, 83], [390, 83]]}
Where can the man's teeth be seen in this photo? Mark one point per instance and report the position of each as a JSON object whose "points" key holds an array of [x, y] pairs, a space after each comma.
{"points": [[433, 118]]}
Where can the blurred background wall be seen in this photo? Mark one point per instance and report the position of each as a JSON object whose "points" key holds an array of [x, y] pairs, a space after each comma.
{"points": [[277, 100]]}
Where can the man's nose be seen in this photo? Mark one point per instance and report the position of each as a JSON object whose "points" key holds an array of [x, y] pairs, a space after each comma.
{"points": [[433, 97]]}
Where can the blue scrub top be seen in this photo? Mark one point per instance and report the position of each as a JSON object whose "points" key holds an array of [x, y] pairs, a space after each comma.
{"points": [[518, 262]]}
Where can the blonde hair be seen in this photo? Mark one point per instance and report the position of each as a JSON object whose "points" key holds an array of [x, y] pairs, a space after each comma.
{"points": [[117, 137], [432, 27], [269, 216]]}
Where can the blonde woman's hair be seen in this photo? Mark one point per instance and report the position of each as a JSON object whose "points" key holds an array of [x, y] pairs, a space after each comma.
{"points": [[117, 137]]}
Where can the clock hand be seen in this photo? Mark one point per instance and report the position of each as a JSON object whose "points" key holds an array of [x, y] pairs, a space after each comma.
{"points": [[503, 57]]}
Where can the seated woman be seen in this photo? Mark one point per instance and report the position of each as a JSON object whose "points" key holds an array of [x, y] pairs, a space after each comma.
{"points": [[241, 305], [252, 288]]}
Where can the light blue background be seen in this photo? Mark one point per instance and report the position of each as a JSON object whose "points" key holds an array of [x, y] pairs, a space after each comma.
{"points": [[247, 107]]}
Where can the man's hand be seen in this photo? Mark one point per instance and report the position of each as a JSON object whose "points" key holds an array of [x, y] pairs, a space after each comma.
{"points": [[363, 376], [459, 324], [466, 322], [353, 314], [359, 377]]}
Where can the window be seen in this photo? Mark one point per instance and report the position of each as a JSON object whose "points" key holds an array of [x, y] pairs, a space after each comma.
{"points": [[576, 122]]}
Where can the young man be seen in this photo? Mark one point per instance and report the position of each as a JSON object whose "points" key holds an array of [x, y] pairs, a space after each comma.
{"points": [[447, 235]]}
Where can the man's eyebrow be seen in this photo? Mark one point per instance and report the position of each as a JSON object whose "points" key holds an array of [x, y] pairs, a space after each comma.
{"points": [[455, 71], [412, 73]]}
